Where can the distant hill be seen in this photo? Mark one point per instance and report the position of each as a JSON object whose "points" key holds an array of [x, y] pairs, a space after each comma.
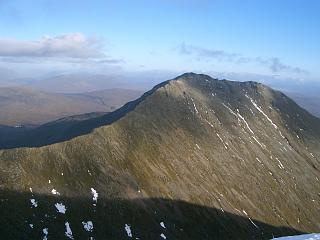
{"points": [[193, 158], [28, 106], [308, 102], [77, 83], [86, 82]]}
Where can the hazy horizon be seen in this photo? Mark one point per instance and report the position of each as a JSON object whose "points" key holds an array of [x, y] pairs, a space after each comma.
{"points": [[145, 42]]}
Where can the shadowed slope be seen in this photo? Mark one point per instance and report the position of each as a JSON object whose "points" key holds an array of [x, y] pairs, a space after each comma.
{"points": [[146, 218]]}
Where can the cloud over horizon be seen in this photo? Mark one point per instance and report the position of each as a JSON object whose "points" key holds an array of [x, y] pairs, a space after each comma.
{"points": [[71, 45], [274, 64]]}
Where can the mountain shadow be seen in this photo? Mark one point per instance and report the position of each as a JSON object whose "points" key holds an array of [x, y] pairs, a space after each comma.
{"points": [[114, 219]]}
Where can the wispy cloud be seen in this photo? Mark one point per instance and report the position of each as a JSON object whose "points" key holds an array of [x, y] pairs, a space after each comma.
{"points": [[72, 45], [207, 53], [274, 64], [277, 66]]}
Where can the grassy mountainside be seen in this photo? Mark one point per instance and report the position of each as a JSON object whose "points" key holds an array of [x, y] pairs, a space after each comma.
{"points": [[210, 159]]}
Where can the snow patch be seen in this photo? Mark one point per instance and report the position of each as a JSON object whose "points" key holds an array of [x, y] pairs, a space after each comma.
{"points": [[261, 145], [194, 105], [260, 110], [280, 163], [222, 141], [250, 219], [95, 195], [211, 125], [128, 230], [55, 192], [88, 226], [242, 118], [230, 110], [301, 237], [45, 232], [61, 208], [163, 236], [162, 225], [281, 134], [34, 203], [68, 232]]}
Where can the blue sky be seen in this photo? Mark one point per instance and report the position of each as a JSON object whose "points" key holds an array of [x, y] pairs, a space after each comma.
{"points": [[257, 38]]}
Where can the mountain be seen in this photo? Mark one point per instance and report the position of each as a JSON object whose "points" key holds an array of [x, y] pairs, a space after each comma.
{"points": [[28, 106], [193, 158]]}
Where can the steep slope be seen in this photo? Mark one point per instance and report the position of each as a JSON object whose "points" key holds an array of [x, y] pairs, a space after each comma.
{"points": [[195, 158], [25, 106]]}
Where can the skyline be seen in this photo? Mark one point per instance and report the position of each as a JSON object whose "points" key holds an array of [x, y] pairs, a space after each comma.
{"points": [[264, 40]]}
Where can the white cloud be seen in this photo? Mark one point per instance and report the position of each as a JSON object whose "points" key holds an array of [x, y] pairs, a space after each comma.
{"points": [[71, 45]]}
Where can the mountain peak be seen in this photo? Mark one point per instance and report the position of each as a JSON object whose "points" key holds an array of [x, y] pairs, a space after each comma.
{"points": [[192, 75], [204, 79]]}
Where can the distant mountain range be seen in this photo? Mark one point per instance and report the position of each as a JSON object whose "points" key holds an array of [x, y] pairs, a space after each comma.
{"points": [[29, 106], [78, 83], [304, 94], [193, 158], [308, 102]]}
